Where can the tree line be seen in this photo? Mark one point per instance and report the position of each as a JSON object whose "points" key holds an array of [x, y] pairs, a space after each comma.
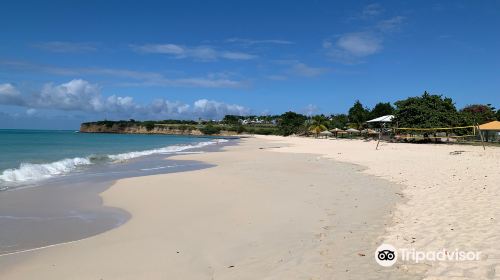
{"points": [[425, 111]]}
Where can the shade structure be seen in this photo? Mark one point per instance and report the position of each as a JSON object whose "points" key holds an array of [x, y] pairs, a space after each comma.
{"points": [[337, 130], [387, 118], [325, 133], [352, 130], [494, 125]]}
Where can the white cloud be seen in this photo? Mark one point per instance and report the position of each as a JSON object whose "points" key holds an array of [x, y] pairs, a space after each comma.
{"points": [[351, 47], [10, 95], [31, 112], [66, 47], [310, 109], [165, 49], [390, 25], [213, 109], [372, 10], [133, 78], [302, 69], [298, 68], [201, 53], [81, 96], [359, 44], [74, 95], [238, 56]]}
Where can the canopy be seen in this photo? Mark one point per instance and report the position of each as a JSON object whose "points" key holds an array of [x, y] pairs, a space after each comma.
{"points": [[352, 130], [387, 118], [494, 125], [326, 132], [337, 130]]}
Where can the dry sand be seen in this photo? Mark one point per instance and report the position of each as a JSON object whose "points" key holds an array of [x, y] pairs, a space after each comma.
{"points": [[452, 192], [291, 213]]}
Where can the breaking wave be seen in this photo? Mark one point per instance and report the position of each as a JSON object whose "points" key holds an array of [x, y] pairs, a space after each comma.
{"points": [[34, 171]]}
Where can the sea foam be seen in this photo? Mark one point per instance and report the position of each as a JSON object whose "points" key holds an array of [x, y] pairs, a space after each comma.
{"points": [[34, 171]]}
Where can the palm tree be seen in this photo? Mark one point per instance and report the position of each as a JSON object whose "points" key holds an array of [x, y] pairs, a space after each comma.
{"points": [[317, 128], [318, 124]]}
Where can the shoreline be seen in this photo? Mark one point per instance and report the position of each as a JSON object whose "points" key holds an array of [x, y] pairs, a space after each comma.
{"points": [[69, 208], [286, 222]]}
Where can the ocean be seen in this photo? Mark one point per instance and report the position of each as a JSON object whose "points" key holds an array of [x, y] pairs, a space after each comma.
{"points": [[51, 180], [32, 156]]}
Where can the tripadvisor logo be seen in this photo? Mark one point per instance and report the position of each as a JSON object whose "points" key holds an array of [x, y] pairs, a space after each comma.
{"points": [[387, 255]]}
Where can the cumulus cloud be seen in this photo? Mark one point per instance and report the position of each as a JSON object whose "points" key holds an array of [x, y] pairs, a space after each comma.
{"points": [[74, 95], [201, 53], [213, 109], [81, 96]]}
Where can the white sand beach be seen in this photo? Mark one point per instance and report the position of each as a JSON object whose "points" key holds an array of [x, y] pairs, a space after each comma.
{"points": [[292, 208], [452, 194]]}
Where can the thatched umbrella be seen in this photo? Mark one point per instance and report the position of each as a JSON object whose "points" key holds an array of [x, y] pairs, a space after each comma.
{"points": [[337, 131], [325, 133]]}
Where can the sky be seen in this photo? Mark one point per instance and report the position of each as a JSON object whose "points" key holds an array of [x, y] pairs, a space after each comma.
{"points": [[66, 62]]}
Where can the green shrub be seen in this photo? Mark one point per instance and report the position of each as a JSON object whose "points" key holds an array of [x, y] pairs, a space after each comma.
{"points": [[210, 129]]}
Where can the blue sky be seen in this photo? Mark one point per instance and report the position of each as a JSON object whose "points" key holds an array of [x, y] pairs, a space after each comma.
{"points": [[63, 62]]}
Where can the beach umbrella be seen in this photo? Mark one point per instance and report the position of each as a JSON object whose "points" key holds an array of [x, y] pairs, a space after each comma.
{"points": [[383, 119], [352, 130], [336, 130], [325, 133]]}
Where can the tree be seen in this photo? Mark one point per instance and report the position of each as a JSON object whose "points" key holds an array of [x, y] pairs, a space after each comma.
{"points": [[477, 114], [319, 123], [381, 109], [291, 123], [149, 125], [498, 115], [210, 129], [231, 119], [339, 121], [426, 111], [358, 114]]}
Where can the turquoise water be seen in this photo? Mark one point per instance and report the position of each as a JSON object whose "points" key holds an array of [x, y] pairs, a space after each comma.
{"points": [[31, 155]]}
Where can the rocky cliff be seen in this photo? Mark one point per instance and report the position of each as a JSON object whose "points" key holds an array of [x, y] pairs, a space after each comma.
{"points": [[140, 129]]}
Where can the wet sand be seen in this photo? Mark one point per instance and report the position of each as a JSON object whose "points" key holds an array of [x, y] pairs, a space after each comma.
{"points": [[69, 208], [256, 214]]}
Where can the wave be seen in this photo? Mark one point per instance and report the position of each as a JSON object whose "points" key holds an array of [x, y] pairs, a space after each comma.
{"points": [[34, 172]]}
